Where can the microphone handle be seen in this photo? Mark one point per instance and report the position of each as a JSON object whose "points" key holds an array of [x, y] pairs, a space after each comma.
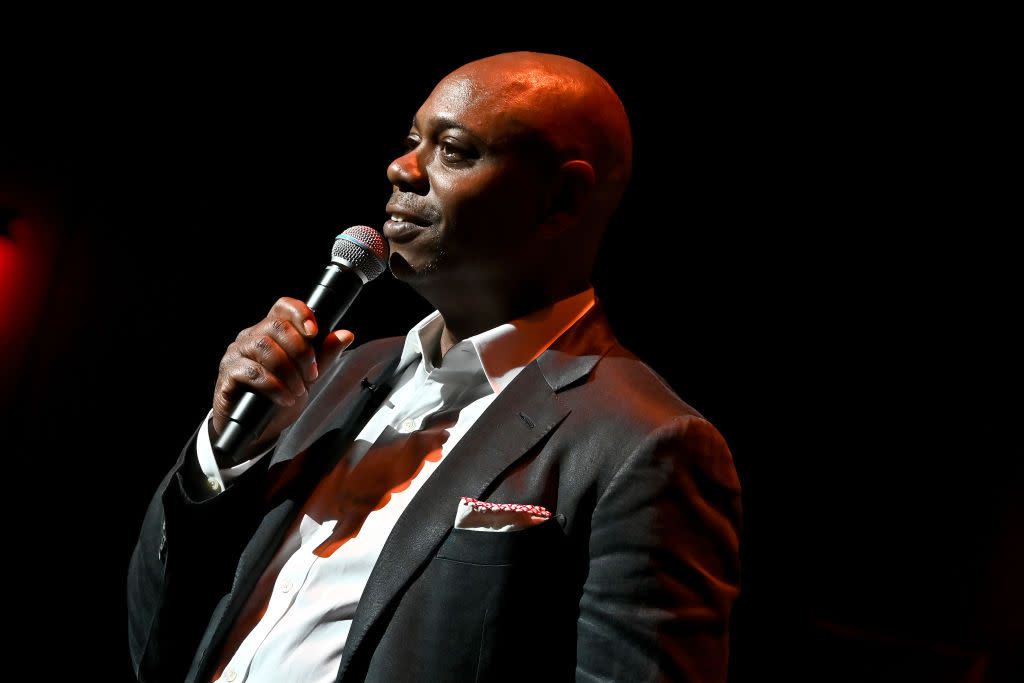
{"points": [[331, 297]]}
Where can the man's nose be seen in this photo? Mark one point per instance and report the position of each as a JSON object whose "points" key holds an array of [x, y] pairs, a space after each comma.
{"points": [[405, 172]]}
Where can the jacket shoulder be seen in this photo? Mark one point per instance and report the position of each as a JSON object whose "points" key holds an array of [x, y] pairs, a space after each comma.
{"points": [[632, 387], [626, 407]]}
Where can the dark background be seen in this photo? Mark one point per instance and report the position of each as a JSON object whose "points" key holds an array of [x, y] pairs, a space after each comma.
{"points": [[810, 252]]}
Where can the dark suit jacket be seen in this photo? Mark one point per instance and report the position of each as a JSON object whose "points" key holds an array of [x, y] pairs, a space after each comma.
{"points": [[632, 579]]}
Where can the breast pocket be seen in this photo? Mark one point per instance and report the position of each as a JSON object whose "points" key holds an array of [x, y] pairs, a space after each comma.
{"points": [[517, 586], [500, 548], [475, 608]]}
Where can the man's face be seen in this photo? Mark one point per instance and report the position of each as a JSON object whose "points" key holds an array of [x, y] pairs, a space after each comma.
{"points": [[471, 191]]}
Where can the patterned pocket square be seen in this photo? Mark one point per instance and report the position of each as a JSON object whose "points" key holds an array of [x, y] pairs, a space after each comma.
{"points": [[480, 515]]}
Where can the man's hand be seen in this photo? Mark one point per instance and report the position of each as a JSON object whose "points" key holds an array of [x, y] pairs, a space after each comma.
{"points": [[274, 358]]}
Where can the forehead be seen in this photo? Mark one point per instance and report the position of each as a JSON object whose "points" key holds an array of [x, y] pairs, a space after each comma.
{"points": [[487, 110]]}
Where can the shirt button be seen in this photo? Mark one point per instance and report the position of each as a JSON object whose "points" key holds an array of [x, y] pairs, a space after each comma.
{"points": [[214, 484], [230, 675], [286, 586], [408, 425]]}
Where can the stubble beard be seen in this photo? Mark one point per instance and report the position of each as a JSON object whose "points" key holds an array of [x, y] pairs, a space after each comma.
{"points": [[433, 266]]}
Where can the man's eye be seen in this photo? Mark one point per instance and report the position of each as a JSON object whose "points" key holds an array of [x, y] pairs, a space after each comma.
{"points": [[452, 152], [410, 143]]}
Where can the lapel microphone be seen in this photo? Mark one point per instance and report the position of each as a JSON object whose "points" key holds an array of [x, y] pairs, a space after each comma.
{"points": [[359, 255]]}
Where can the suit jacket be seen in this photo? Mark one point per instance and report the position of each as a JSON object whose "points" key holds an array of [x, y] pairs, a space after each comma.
{"points": [[632, 578]]}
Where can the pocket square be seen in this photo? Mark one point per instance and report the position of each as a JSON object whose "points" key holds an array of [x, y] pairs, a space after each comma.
{"points": [[480, 515]]}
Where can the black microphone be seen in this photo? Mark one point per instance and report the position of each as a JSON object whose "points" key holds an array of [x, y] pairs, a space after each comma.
{"points": [[359, 255]]}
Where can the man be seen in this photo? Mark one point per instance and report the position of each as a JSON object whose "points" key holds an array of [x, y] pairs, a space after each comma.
{"points": [[348, 543]]}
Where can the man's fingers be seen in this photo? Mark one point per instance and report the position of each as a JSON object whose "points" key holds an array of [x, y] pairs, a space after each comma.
{"points": [[296, 312], [274, 358], [334, 344], [248, 374], [268, 353], [291, 339]]}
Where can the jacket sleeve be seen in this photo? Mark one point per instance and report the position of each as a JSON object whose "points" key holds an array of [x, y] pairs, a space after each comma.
{"points": [[184, 562], [663, 562]]}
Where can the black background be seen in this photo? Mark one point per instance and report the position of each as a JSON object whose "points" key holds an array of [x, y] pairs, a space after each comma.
{"points": [[810, 252]]}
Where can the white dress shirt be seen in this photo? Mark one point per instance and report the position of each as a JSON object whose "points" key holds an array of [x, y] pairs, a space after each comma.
{"points": [[295, 624]]}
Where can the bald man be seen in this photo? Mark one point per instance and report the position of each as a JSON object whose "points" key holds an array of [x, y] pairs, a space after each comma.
{"points": [[505, 492]]}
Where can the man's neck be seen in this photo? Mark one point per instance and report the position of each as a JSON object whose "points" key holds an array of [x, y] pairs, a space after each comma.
{"points": [[473, 313]]}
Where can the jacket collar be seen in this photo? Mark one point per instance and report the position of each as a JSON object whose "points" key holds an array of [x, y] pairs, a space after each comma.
{"points": [[501, 352]]}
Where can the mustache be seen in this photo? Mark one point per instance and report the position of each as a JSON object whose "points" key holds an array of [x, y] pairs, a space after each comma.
{"points": [[414, 208]]}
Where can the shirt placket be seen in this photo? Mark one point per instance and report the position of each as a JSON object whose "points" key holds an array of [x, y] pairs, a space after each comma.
{"points": [[290, 581]]}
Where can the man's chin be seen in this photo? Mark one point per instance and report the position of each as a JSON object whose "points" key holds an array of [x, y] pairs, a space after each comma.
{"points": [[412, 272]]}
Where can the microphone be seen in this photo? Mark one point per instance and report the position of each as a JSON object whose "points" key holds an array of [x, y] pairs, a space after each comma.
{"points": [[359, 255]]}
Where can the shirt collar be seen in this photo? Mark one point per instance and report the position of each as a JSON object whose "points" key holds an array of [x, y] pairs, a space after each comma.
{"points": [[501, 352]]}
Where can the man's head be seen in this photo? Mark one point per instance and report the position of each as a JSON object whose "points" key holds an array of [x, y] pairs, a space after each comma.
{"points": [[515, 163]]}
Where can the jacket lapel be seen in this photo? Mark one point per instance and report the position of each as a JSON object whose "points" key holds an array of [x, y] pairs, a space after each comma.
{"points": [[340, 406], [526, 410], [298, 463]]}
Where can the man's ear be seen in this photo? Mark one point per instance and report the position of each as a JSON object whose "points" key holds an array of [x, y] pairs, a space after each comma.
{"points": [[568, 197]]}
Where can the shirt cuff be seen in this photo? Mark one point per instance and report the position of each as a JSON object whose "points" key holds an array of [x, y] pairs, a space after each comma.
{"points": [[218, 478]]}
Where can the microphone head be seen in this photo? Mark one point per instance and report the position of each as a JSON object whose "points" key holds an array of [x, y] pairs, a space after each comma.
{"points": [[362, 249]]}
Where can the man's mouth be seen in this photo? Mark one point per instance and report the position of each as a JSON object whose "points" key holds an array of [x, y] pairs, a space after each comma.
{"points": [[400, 228], [406, 217]]}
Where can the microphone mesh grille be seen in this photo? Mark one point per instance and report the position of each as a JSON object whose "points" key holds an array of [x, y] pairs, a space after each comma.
{"points": [[364, 249]]}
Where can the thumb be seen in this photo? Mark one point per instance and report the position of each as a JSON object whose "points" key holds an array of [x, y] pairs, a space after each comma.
{"points": [[334, 344]]}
